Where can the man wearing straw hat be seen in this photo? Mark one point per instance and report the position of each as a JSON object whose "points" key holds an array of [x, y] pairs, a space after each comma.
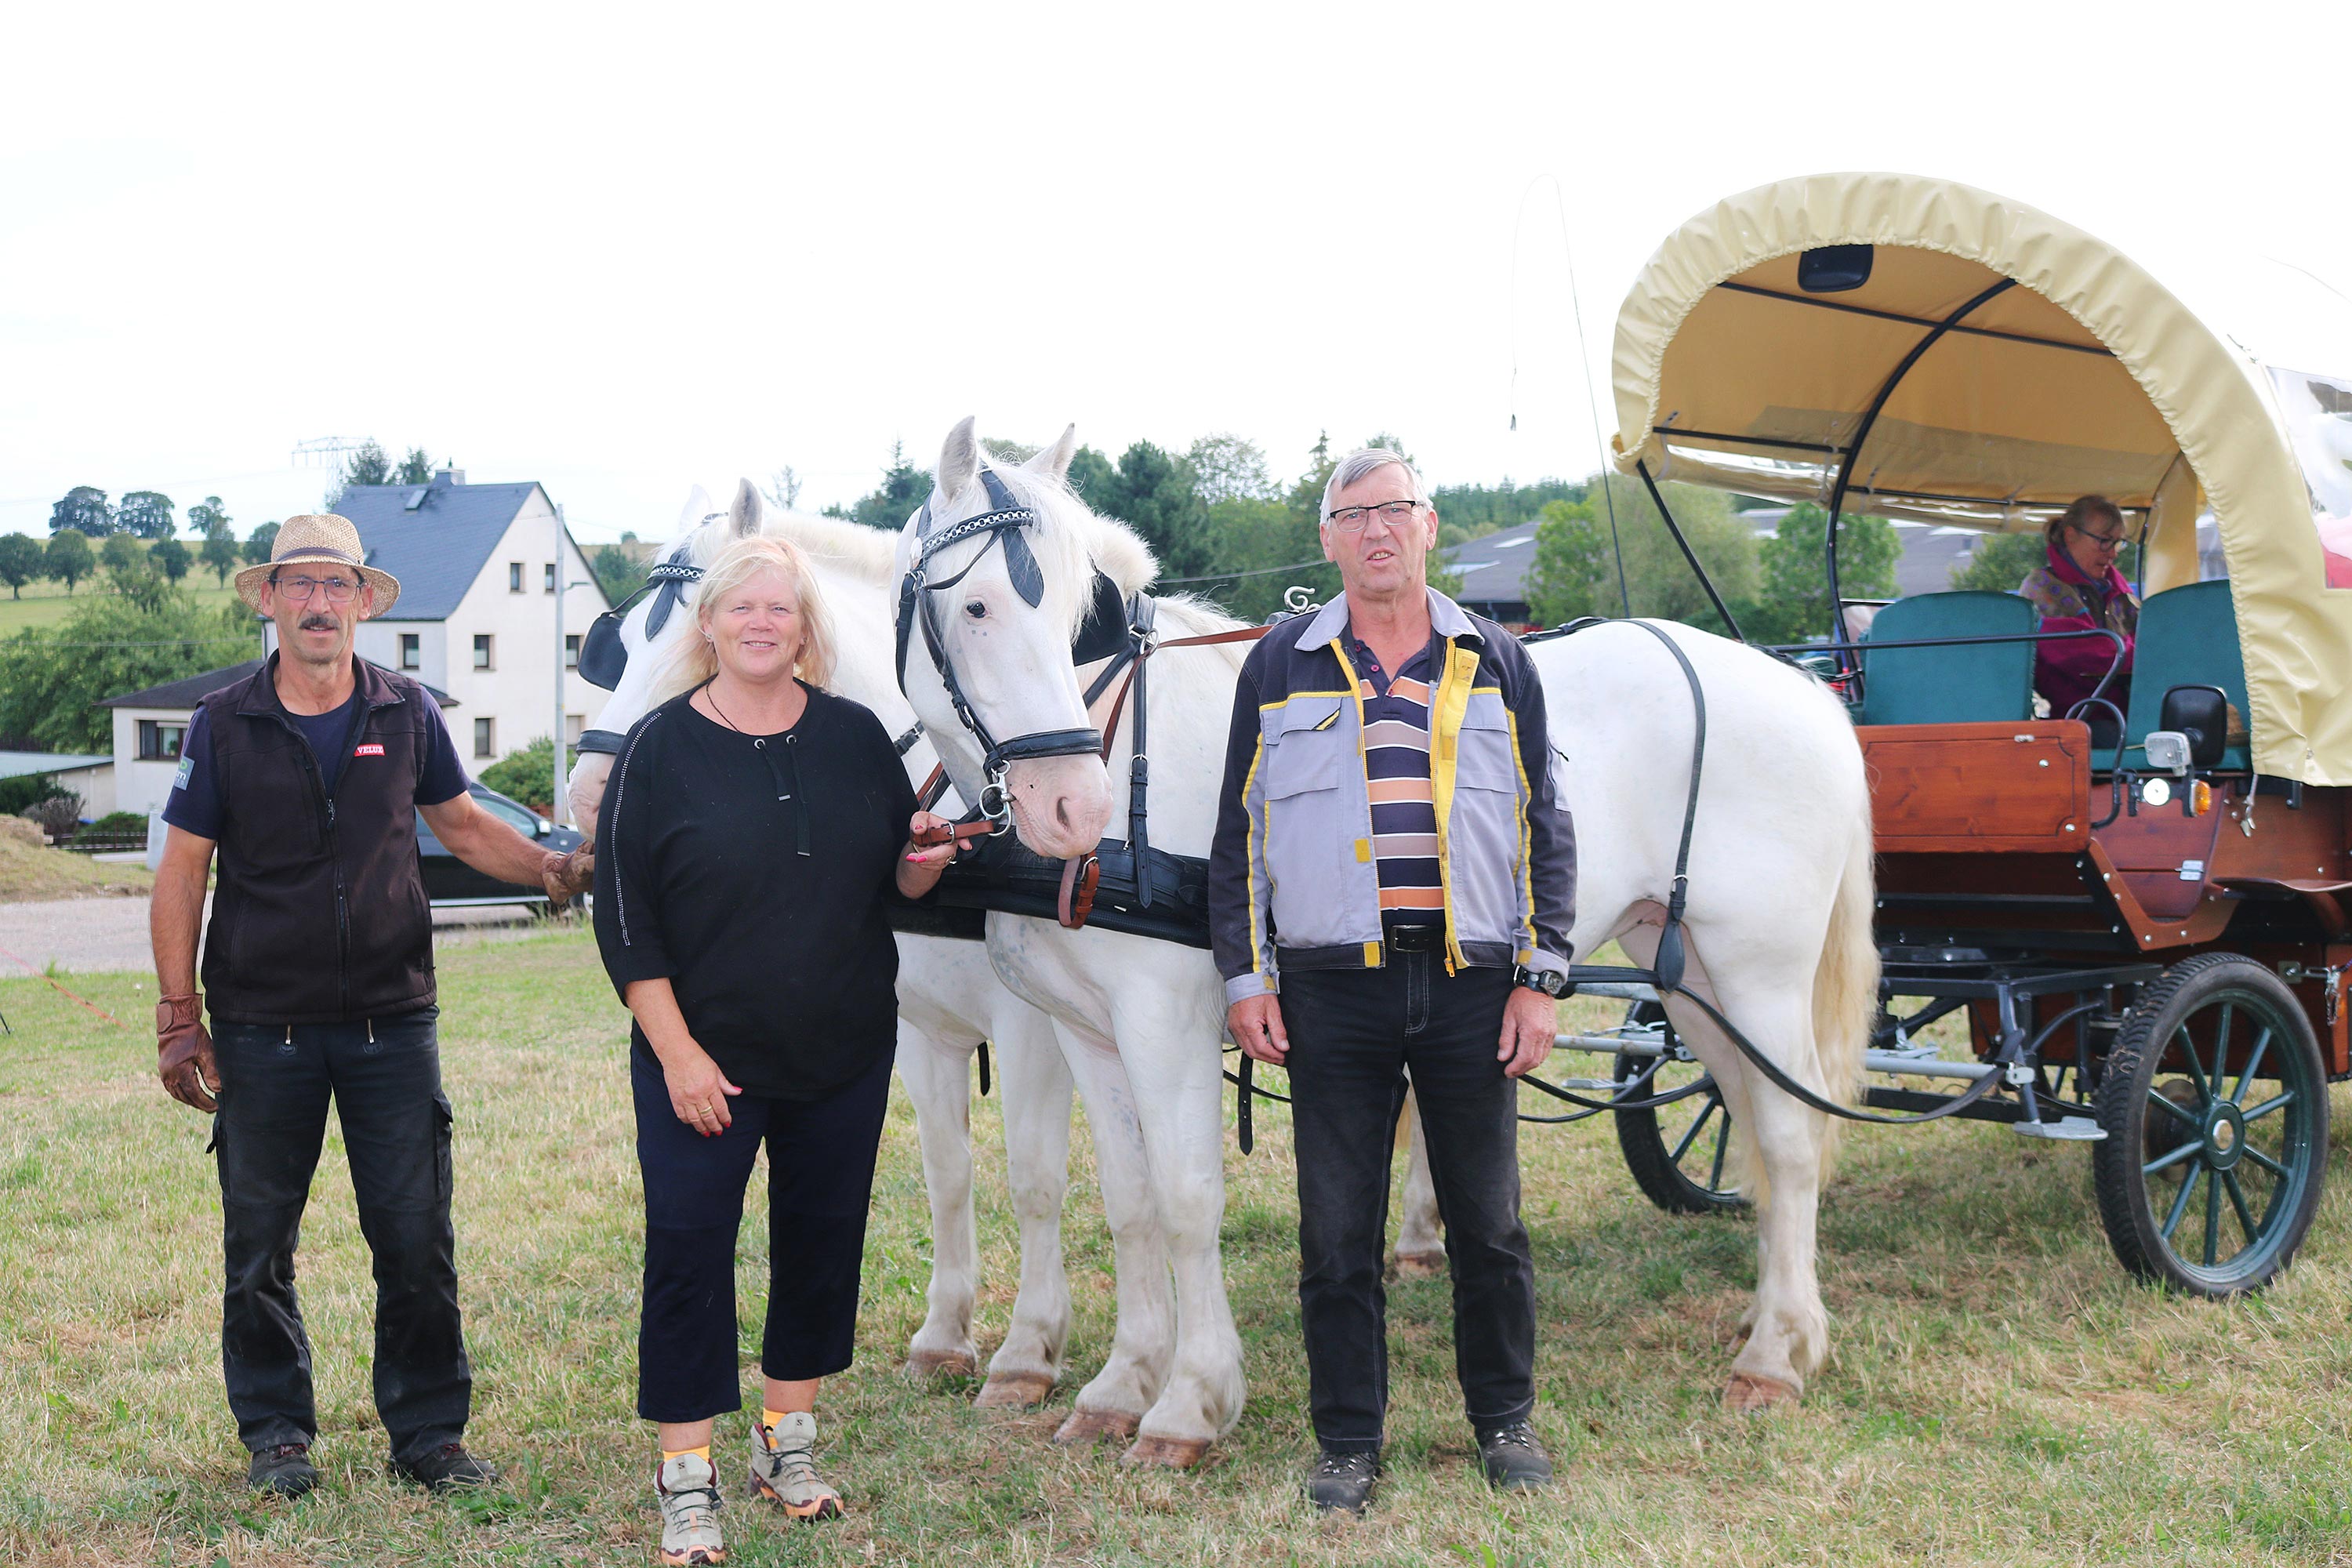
{"points": [[318, 974]]}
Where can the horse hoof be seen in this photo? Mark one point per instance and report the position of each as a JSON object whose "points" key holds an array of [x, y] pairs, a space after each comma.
{"points": [[1747, 1392], [1093, 1426], [1420, 1265], [1013, 1391], [927, 1366], [1169, 1453]]}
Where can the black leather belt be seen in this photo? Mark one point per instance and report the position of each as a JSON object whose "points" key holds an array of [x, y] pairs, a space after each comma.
{"points": [[1414, 939]]}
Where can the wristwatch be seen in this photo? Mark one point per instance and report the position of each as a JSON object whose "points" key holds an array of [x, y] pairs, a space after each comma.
{"points": [[1550, 981]]}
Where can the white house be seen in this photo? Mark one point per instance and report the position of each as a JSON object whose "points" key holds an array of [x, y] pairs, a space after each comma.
{"points": [[91, 777], [149, 726], [479, 568]]}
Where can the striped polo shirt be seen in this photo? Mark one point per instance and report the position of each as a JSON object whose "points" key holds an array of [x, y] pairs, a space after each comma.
{"points": [[1396, 776]]}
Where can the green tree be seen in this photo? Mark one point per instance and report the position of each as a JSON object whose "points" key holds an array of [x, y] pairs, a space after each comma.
{"points": [[20, 562], [257, 547], [1156, 493], [904, 488], [146, 513], [1472, 511], [1227, 467], [82, 508], [52, 677], [208, 516], [1795, 604], [129, 569], [1566, 579], [1660, 580], [2000, 562], [69, 558], [527, 775], [169, 557], [367, 465], [616, 573], [219, 554], [416, 468]]}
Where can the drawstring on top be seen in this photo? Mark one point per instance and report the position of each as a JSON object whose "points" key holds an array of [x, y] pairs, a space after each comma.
{"points": [[784, 767]]}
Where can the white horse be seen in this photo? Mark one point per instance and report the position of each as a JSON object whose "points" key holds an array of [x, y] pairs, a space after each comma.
{"points": [[949, 997], [1777, 924]]}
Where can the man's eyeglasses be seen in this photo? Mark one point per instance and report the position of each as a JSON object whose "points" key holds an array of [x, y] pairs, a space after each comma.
{"points": [[1352, 518], [300, 589], [2103, 540]]}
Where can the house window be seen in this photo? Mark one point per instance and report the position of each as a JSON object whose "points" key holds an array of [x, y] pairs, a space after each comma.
{"points": [[482, 651], [514, 576], [159, 740], [410, 655], [550, 577], [571, 650], [485, 737]]}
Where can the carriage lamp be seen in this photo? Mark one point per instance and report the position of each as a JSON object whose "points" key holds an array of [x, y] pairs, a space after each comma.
{"points": [[2167, 751]]}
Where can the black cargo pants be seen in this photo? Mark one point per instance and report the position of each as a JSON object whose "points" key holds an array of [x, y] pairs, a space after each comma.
{"points": [[384, 1078]]}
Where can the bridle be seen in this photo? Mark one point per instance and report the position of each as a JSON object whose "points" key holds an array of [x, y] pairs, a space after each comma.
{"points": [[1002, 524], [604, 656]]}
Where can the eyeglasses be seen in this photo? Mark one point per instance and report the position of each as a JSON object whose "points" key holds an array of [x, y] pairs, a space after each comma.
{"points": [[1352, 518], [2103, 540], [300, 589]]}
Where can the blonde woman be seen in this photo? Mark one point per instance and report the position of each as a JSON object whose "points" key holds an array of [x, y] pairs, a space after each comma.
{"points": [[754, 833]]}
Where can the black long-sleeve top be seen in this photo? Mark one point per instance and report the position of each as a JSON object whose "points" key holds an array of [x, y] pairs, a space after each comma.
{"points": [[754, 873]]}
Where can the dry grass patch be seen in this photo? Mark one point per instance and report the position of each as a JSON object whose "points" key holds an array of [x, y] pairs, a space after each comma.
{"points": [[29, 875]]}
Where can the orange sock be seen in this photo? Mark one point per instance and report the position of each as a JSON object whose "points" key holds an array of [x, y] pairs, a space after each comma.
{"points": [[702, 1453], [770, 1419]]}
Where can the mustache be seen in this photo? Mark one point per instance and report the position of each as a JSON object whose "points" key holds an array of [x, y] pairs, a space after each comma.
{"points": [[320, 623]]}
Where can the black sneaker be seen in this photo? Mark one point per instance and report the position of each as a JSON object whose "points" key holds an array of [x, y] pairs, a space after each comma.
{"points": [[1343, 1482], [1514, 1461], [285, 1470], [439, 1469]]}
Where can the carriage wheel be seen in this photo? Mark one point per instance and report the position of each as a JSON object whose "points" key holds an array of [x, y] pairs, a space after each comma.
{"points": [[2215, 1106], [1677, 1153]]}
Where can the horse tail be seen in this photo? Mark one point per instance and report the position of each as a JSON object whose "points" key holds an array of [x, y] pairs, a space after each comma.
{"points": [[1845, 986]]}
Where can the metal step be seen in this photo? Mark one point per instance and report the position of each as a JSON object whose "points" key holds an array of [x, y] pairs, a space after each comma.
{"points": [[2065, 1130]]}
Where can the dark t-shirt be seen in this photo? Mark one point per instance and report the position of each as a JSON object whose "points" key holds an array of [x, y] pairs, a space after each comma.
{"points": [[195, 804], [755, 874]]}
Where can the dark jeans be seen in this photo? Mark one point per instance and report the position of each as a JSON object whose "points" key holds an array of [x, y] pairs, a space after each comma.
{"points": [[820, 1183], [1354, 1034], [384, 1078]]}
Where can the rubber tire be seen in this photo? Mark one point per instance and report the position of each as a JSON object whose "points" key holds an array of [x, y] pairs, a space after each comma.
{"points": [[1645, 1146], [2132, 1227]]}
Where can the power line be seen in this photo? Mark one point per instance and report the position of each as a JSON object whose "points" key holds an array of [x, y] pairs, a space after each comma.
{"points": [[1256, 572]]}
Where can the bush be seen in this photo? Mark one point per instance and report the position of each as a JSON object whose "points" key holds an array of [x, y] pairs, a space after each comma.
{"points": [[527, 775], [115, 824], [56, 815], [51, 678], [18, 796]]}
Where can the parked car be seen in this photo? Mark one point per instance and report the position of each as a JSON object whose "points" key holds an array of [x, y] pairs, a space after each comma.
{"points": [[450, 881]]}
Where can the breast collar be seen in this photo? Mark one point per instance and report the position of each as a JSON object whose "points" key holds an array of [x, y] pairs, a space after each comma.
{"points": [[1002, 524]]}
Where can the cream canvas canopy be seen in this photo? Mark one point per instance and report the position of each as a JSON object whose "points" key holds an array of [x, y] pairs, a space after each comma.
{"points": [[1998, 362]]}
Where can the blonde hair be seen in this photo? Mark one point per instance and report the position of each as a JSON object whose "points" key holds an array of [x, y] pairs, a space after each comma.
{"points": [[696, 659]]}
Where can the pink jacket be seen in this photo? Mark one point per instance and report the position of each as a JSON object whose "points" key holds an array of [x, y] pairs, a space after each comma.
{"points": [[2066, 672]]}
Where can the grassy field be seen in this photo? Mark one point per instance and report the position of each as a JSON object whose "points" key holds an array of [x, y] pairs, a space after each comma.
{"points": [[2002, 1393], [36, 876], [45, 603]]}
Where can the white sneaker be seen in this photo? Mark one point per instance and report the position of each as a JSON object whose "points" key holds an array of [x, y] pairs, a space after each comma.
{"points": [[689, 1487], [783, 1468]]}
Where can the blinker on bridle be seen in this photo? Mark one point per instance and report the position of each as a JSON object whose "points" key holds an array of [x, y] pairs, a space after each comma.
{"points": [[602, 654], [1002, 524]]}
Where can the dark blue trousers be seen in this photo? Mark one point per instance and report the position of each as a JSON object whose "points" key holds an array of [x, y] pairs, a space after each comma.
{"points": [[1354, 1034], [821, 1157], [384, 1078]]}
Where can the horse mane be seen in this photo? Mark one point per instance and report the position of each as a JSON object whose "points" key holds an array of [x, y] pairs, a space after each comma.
{"points": [[866, 551]]}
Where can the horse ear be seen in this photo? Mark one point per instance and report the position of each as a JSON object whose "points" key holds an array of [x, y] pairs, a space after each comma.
{"points": [[743, 519], [698, 507], [959, 461], [1056, 459]]}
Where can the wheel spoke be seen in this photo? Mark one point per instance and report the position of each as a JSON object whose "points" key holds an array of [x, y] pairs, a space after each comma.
{"points": [[2221, 1048], [2238, 1202], [1691, 1136], [2166, 1162], [1722, 1137], [2246, 1078], [2185, 1120], [2179, 1208], [2196, 1068], [2212, 1217], [2267, 1106], [2266, 1162]]}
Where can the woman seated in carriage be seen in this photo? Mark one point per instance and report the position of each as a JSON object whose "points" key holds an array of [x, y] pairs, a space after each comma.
{"points": [[2080, 589]]}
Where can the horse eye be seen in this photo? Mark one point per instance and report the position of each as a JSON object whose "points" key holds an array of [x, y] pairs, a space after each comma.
{"points": [[976, 610]]}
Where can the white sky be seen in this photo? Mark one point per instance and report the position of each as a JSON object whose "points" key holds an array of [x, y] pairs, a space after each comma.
{"points": [[622, 250]]}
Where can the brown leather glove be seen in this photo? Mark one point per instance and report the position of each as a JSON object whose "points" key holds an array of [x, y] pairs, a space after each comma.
{"points": [[566, 876], [184, 1052]]}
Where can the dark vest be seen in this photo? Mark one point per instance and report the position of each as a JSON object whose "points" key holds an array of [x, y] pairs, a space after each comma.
{"points": [[318, 910]]}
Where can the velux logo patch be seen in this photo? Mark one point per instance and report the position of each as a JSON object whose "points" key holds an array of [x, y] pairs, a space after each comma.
{"points": [[371, 750]]}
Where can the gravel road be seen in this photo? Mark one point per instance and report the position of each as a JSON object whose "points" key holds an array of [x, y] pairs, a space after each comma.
{"points": [[89, 934]]}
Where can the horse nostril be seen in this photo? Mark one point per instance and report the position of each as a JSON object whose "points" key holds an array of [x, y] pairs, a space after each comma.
{"points": [[1062, 811]]}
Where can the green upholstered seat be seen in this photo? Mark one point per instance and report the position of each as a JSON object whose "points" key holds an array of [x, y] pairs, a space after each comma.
{"points": [[1957, 684], [2187, 637]]}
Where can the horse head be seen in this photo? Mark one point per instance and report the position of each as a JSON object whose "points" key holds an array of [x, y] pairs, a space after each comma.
{"points": [[993, 579]]}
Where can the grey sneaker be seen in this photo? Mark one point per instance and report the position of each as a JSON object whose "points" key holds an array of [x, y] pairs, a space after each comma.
{"points": [[783, 1469], [689, 1487], [1343, 1483], [1513, 1459], [285, 1470]]}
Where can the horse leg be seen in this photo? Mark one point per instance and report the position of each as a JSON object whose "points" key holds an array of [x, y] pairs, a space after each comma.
{"points": [[1421, 1240], [937, 1076], [1144, 1339], [1035, 1086], [1171, 1058]]}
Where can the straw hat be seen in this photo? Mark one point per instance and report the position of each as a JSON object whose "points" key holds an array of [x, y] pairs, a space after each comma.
{"points": [[323, 538]]}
